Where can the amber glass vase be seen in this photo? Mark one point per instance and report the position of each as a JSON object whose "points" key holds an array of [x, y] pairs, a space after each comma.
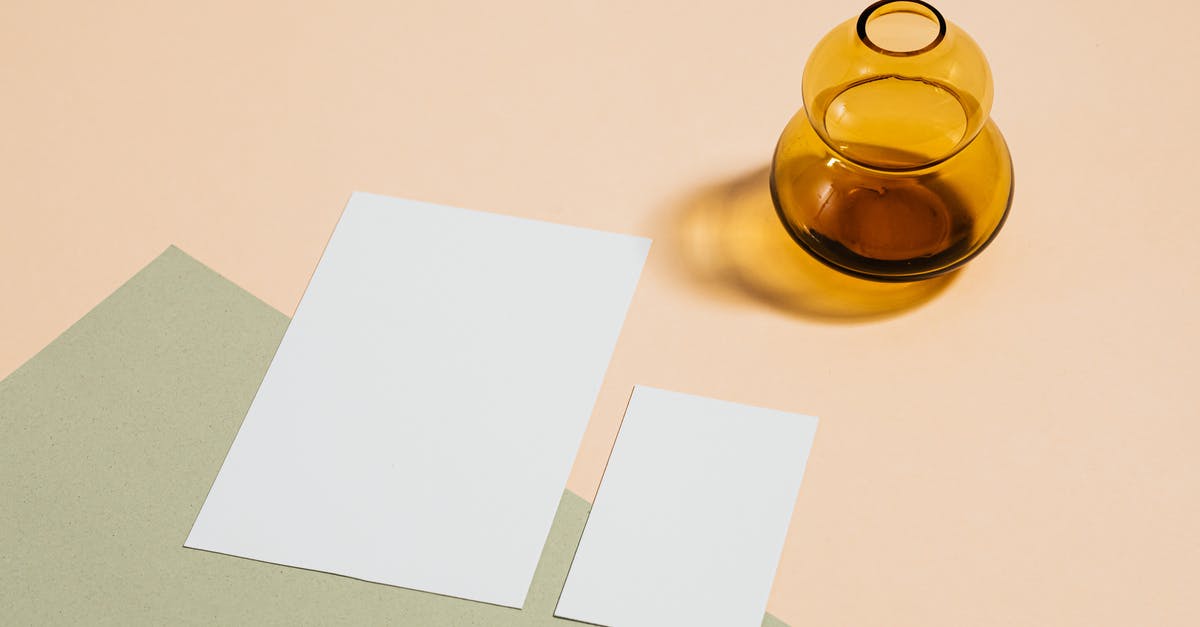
{"points": [[893, 170]]}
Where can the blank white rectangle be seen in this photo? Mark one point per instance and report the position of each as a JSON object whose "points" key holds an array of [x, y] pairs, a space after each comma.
{"points": [[418, 422], [690, 519]]}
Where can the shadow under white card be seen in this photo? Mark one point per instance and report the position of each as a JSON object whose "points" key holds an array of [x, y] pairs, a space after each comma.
{"points": [[690, 519], [418, 422]]}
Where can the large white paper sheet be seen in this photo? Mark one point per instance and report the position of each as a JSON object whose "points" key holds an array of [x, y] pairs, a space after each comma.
{"points": [[690, 519], [418, 422]]}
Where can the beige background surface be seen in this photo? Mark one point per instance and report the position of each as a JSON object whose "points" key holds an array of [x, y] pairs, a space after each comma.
{"points": [[1015, 449]]}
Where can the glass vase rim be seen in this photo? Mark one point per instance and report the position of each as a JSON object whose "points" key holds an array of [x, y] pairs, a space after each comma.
{"points": [[870, 11]]}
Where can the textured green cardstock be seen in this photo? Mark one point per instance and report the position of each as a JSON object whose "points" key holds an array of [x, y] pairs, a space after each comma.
{"points": [[110, 439]]}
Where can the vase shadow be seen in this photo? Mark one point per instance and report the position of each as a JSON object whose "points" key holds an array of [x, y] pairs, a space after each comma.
{"points": [[730, 243]]}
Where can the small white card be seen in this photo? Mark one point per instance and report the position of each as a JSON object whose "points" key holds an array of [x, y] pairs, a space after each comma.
{"points": [[418, 422], [690, 519]]}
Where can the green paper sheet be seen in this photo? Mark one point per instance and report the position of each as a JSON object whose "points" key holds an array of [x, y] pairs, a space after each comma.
{"points": [[110, 439]]}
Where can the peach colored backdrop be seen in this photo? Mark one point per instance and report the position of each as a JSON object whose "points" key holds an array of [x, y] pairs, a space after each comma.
{"points": [[1021, 449]]}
